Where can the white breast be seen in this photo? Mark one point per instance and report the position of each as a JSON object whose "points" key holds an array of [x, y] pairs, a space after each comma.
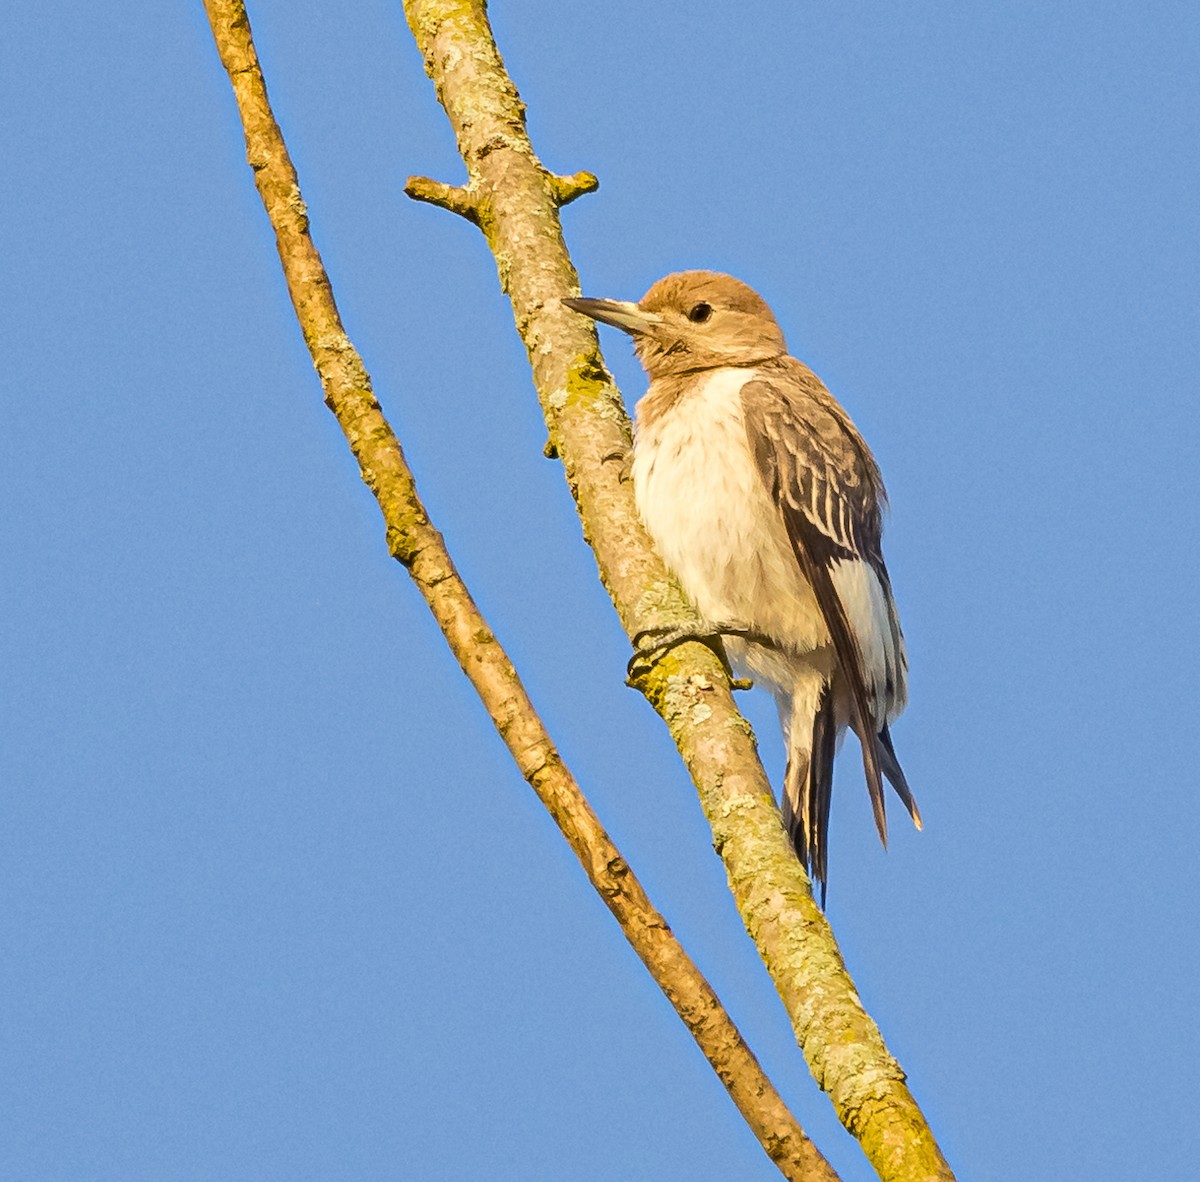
{"points": [[704, 504]]}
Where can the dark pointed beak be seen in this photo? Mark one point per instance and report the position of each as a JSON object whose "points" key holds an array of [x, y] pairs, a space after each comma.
{"points": [[626, 316]]}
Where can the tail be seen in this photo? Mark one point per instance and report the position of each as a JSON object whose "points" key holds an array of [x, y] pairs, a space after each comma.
{"points": [[808, 784], [895, 774]]}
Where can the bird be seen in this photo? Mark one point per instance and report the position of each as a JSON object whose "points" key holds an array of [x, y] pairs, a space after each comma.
{"points": [[767, 505]]}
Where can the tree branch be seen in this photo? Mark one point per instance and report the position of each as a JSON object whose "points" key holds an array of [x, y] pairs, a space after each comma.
{"points": [[452, 197], [517, 202], [414, 541]]}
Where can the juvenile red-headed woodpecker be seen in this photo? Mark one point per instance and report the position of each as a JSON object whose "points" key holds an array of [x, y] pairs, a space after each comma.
{"points": [[766, 503]]}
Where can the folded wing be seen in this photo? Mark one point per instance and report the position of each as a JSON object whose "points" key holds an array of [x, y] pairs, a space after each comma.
{"points": [[830, 496]]}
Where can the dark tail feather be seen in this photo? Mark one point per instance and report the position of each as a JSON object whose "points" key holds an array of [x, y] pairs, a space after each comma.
{"points": [[895, 774], [820, 785], [807, 792]]}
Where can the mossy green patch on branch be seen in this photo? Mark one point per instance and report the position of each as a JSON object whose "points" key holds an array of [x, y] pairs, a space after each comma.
{"points": [[587, 382], [406, 528]]}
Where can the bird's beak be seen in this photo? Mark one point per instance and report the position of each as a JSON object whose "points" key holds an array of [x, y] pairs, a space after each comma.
{"points": [[619, 313]]}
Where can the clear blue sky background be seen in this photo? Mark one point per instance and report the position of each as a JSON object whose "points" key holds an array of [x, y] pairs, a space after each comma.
{"points": [[273, 902]]}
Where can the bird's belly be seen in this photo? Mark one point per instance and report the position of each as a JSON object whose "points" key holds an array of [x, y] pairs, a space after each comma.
{"points": [[703, 503]]}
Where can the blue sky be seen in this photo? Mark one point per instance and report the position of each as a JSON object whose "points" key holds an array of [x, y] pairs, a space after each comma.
{"points": [[273, 901]]}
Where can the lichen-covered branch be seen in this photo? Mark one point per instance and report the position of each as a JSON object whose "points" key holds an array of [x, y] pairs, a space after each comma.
{"points": [[515, 201], [414, 542]]}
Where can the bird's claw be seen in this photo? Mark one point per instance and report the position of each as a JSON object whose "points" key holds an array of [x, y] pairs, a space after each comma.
{"points": [[648, 642]]}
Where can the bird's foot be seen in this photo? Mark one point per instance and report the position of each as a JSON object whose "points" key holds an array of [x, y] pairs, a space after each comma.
{"points": [[648, 643]]}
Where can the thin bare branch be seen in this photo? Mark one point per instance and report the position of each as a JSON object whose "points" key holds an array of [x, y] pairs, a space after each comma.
{"points": [[450, 197], [567, 188], [517, 203], [414, 541]]}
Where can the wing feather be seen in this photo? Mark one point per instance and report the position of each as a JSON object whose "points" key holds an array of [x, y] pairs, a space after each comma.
{"points": [[830, 495]]}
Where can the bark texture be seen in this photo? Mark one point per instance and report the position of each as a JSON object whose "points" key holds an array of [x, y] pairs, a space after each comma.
{"points": [[414, 542], [514, 200]]}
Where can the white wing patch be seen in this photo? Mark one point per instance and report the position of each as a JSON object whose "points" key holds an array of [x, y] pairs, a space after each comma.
{"points": [[872, 617]]}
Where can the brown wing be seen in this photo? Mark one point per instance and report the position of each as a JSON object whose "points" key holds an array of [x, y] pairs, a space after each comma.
{"points": [[830, 496]]}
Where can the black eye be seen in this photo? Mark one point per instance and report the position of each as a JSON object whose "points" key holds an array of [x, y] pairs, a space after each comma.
{"points": [[699, 313]]}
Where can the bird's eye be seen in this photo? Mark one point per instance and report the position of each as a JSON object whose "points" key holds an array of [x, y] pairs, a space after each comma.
{"points": [[699, 313]]}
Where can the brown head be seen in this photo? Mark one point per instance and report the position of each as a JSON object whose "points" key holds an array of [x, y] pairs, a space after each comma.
{"points": [[693, 320]]}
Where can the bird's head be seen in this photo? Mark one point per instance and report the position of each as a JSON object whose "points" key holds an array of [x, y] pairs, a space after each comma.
{"points": [[693, 320]]}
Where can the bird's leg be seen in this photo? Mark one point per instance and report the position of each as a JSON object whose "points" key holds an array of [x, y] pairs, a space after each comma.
{"points": [[649, 642]]}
